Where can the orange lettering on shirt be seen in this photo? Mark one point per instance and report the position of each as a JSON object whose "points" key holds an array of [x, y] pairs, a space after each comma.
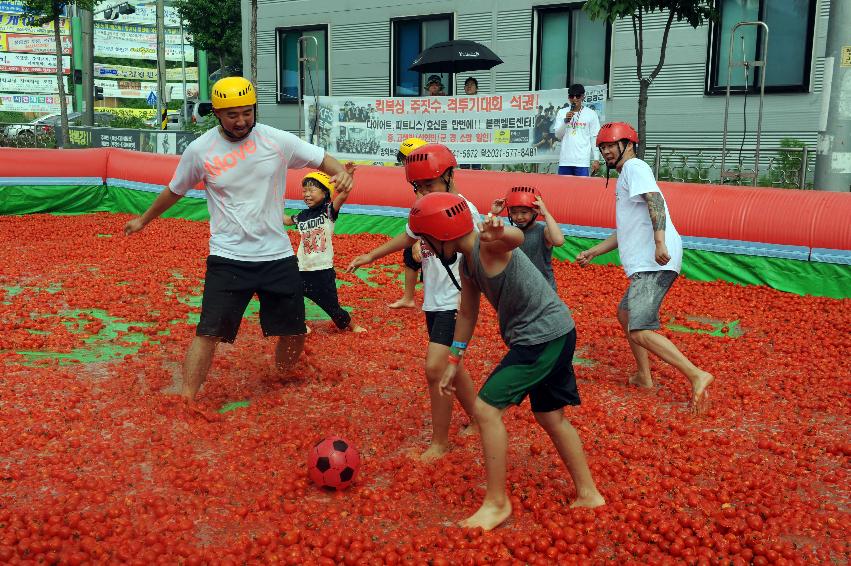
{"points": [[222, 163]]}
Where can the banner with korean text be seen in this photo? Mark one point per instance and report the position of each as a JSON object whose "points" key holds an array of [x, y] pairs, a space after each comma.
{"points": [[32, 43], [28, 84], [16, 23], [107, 71], [42, 104], [34, 63], [515, 127]]}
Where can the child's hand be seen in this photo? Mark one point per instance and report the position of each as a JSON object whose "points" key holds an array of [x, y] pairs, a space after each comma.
{"points": [[584, 257], [446, 386], [357, 262], [491, 229], [498, 206], [417, 252], [542, 209]]}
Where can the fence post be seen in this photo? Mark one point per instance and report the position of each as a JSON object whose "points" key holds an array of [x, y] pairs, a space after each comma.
{"points": [[802, 184], [657, 161]]}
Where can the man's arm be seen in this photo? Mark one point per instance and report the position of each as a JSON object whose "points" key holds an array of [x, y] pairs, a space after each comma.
{"points": [[659, 220], [398, 243], [594, 129], [339, 174], [163, 202], [497, 238]]}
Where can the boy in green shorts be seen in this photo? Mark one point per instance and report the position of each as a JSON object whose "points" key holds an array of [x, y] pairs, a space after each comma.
{"points": [[536, 326]]}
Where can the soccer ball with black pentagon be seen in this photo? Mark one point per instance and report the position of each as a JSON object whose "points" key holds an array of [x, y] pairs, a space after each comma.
{"points": [[333, 463]]}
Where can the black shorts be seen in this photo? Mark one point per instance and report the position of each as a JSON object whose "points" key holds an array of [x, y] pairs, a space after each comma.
{"points": [[544, 372], [230, 284], [408, 257], [441, 326]]}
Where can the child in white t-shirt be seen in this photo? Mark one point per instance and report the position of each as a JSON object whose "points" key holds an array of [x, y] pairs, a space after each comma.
{"points": [[316, 249], [651, 252]]}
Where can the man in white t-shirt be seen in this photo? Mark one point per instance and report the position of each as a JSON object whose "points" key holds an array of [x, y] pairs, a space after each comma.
{"points": [[243, 166], [576, 126], [430, 169], [651, 252]]}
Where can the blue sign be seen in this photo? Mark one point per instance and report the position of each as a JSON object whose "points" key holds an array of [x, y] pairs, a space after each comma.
{"points": [[152, 99]]}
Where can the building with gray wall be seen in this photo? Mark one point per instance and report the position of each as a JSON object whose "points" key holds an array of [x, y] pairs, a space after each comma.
{"points": [[365, 46]]}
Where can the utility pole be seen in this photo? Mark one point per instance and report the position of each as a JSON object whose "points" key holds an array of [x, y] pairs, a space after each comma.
{"points": [[162, 106], [833, 157], [88, 68]]}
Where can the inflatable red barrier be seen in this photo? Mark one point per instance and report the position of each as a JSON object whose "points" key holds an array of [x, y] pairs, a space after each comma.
{"points": [[773, 216]]}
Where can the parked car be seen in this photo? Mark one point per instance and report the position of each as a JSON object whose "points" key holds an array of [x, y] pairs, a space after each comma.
{"points": [[45, 124]]}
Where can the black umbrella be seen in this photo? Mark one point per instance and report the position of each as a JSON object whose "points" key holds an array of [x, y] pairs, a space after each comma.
{"points": [[458, 56]]}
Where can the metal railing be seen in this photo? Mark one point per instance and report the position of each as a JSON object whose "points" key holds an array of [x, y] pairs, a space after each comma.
{"points": [[782, 167]]}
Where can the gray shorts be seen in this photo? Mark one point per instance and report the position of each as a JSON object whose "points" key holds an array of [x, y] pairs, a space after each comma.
{"points": [[644, 296]]}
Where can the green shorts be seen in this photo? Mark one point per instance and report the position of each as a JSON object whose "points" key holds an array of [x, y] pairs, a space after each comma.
{"points": [[544, 372]]}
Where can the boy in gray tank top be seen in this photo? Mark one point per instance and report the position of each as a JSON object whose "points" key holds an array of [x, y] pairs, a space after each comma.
{"points": [[525, 206], [535, 325]]}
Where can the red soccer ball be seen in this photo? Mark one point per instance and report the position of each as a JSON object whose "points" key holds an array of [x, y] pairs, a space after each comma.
{"points": [[333, 463]]}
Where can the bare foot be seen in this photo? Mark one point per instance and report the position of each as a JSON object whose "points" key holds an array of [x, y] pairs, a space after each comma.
{"points": [[403, 303], [308, 329], [699, 394], [469, 429], [641, 381], [590, 501], [489, 516], [434, 452], [356, 328]]}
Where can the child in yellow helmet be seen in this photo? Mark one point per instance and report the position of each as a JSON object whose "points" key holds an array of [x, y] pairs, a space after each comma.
{"points": [[411, 257], [316, 250]]}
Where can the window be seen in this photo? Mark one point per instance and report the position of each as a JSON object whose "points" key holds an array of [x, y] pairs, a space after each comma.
{"points": [[314, 73], [571, 48], [790, 42], [410, 37]]}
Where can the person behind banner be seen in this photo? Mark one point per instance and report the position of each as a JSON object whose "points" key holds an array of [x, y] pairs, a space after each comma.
{"points": [[535, 325], [316, 249], [243, 167], [576, 127], [434, 86]]}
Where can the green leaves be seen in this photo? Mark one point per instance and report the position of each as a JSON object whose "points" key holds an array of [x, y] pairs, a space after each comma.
{"points": [[695, 12], [214, 25]]}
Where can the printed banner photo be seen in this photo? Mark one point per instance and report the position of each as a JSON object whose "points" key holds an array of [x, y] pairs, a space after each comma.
{"points": [[500, 128], [137, 89], [32, 63], [42, 104], [15, 23], [28, 84], [29, 43], [104, 71], [146, 51]]}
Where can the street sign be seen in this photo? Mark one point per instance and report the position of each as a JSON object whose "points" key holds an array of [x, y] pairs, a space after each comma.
{"points": [[152, 99]]}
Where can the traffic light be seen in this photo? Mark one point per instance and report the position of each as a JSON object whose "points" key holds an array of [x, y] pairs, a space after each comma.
{"points": [[125, 9], [98, 93], [78, 76]]}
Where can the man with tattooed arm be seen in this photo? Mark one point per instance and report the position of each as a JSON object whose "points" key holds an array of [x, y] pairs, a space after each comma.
{"points": [[651, 252]]}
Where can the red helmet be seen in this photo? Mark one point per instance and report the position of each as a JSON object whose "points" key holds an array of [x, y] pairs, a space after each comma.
{"points": [[443, 216], [521, 196], [428, 162], [616, 131]]}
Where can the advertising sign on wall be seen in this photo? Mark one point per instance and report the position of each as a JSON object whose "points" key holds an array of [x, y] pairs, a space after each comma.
{"points": [[135, 34], [137, 89], [33, 63], [15, 23], [500, 128], [30, 43], [146, 51]]}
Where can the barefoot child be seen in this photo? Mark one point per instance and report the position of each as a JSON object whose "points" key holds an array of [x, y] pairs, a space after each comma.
{"points": [[430, 169], [524, 206], [651, 252], [316, 251], [411, 257], [535, 325]]}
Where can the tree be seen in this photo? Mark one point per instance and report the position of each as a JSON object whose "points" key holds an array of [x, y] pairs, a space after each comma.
{"points": [[253, 41], [215, 27], [695, 12], [41, 12]]}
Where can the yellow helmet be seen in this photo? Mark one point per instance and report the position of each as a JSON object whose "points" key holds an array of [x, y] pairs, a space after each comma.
{"points": [[323, 179], [231, 92], [408, 146]]}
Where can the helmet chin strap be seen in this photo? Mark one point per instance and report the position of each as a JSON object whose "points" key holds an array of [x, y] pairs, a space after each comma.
{"points": [[233, 135], [609, 167], [525, 224], [443, 261]]}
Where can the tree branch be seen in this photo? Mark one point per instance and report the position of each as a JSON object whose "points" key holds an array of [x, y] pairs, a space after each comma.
{"points": [[664, 47], [636, 34]]}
